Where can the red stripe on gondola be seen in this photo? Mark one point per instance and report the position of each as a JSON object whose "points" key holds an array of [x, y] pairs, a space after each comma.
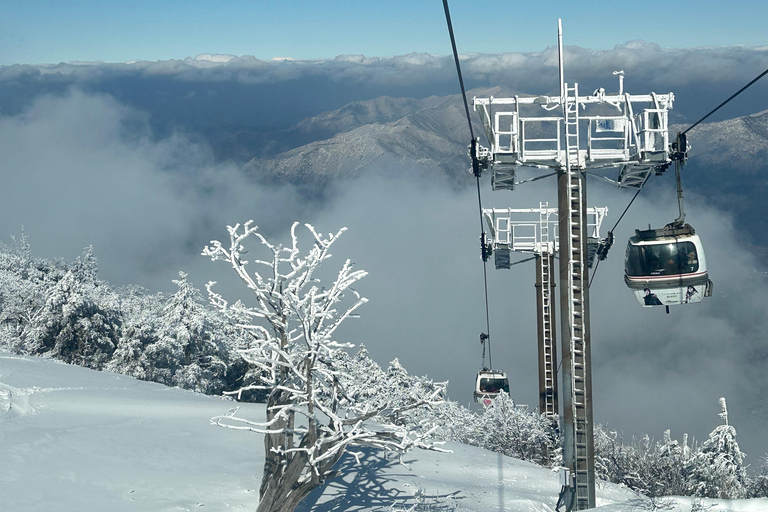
{"points": [[672, 276]]}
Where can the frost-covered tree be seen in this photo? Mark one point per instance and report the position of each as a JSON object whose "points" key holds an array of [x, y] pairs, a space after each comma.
{"points": [[513, 431], [80, 319], [653, 469], [669, 473], [25, 284], [759, 484], [48, 307], [190, 351], [178, 341], [716, 470], [141, 325], [292, 319]]}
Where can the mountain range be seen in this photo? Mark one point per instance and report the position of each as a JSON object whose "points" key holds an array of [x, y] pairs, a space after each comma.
{"points": [[727, 160]]}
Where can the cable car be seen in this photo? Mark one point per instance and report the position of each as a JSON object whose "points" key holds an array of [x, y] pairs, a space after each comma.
{"points": [[489, 384], [667, 266]]}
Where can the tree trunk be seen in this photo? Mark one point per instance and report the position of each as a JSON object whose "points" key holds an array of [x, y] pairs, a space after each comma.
{"points": [[286, 484], [281, 491], [273, 461]]}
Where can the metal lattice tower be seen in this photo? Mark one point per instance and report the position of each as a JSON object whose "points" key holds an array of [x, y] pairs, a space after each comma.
{"points": [[535, 231], [573, 134]]}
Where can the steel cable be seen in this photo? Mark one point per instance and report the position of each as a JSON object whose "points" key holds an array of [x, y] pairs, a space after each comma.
{"points": [[476, 172]]}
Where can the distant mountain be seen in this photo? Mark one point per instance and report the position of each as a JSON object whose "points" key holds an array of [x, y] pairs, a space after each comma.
{"points": [[728, 160], [728, 164], [741, 142], [267, 143], [386, 134]]}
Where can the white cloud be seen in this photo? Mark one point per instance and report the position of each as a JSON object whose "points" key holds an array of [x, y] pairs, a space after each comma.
{"points": [[82, 170]]}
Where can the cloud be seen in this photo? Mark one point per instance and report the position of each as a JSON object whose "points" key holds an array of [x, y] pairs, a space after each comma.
{"points": [[274, 93], [82, 170]]}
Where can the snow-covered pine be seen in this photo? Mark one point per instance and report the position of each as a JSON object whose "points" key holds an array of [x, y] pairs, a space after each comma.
{"points": [[759, 485], [292, 320], [505, 428], [78, 322], [60, 310], [717, 468]]}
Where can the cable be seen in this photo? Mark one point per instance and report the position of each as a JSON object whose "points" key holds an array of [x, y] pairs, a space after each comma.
{"points": [[626, 209], [610, 233], [475, 170], [761, 75], [458, 66]]}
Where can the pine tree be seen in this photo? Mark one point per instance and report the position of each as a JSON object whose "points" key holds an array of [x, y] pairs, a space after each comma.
{"points": [[716, 470], [80, 320]]}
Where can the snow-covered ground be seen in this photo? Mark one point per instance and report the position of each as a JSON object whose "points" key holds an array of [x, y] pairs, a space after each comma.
{"points": [[73, 439]]}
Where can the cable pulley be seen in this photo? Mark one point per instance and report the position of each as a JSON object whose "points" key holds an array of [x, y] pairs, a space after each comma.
{"points": [[486, 247], [604, 246]]}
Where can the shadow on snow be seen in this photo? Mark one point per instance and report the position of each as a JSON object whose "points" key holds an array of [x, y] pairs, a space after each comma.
{"points": [[368, 487]]}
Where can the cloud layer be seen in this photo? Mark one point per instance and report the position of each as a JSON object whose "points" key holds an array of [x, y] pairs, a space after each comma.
{"points": [[255, 92], [82, 170]]}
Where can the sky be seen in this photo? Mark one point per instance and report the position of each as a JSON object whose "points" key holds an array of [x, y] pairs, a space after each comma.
{"points": [[43, 32]]}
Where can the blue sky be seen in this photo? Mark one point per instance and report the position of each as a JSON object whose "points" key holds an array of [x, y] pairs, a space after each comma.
{"points": [[35, 32]]}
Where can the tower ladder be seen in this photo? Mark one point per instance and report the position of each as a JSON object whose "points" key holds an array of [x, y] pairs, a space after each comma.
{"points": [[577, 265], [547, 347]]}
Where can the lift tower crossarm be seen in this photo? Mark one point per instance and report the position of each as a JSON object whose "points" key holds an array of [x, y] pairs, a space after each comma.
{"points": [[616, 131], [535, 231], [665, 100]]}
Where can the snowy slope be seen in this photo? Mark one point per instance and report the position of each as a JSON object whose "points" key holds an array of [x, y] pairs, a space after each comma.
{"points": [[72, 439]]}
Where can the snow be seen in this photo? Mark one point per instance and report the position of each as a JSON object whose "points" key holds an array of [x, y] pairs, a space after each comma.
{"points": [[73, 439]]}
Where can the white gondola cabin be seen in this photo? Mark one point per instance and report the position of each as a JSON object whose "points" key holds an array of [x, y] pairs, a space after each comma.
{"points": [[667, 266], [489, 384]]}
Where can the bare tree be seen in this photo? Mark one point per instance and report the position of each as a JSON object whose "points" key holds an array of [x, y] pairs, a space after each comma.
{"points": [[311, 419]]}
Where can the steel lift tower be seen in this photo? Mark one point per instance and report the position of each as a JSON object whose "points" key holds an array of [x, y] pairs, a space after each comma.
{"points": [[573, 135], [535, 231]]}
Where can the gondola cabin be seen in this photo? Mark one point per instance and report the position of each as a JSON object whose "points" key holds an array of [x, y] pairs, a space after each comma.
{"points": [[667, 266], [489, 384]]}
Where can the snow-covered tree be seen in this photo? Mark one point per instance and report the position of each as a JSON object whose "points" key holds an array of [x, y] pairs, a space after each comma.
{"points": [[80, 319], [759, 484], [669, 474], [456, 423], [716, 470], [513, 431], [190, 352], [652, 469], [292, 320], [141, 324], [178, 341], [25, 284]]}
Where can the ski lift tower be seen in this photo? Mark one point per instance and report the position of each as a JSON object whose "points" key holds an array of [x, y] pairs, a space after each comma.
{"points": [[535, 231], [574, 134]]}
